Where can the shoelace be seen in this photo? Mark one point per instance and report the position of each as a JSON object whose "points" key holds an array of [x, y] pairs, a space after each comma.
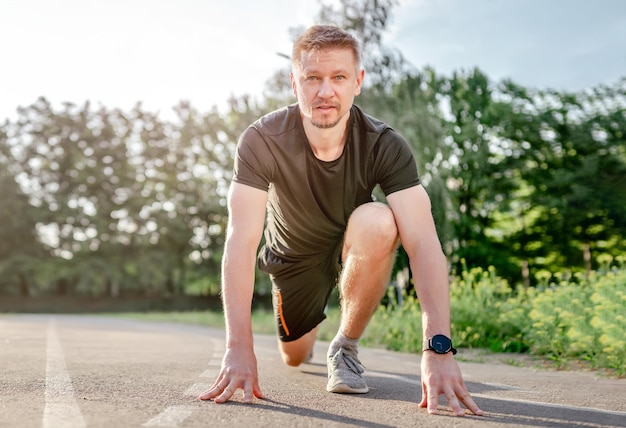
{"points": [[351, 361]]}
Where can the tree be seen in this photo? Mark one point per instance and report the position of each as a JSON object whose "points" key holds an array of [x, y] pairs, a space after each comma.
{"points": [[478, 173], [573, 148], [125, 198], [74, 167], [20, 248]]}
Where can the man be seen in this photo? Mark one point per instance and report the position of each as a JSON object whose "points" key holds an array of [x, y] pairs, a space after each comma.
{"points": [[309, 169]]}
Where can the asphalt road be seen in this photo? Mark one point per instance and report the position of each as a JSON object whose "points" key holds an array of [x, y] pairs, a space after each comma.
{"points": [[92, 371]]}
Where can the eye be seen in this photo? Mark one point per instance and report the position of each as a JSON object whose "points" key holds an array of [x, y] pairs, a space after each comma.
{"points": [[340, 77], [311, 78]]}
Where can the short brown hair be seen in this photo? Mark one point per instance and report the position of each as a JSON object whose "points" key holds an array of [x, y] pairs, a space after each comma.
{"points": [[323, 37]]}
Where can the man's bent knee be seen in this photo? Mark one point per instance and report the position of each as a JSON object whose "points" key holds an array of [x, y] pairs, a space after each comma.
{"points": [[292, 360], [373, 223], [297, 352]]}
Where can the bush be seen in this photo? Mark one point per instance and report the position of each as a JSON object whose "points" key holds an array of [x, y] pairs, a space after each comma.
{"points": [[560, 322], [478, 301], [398, 328], [582, 319], [578, 318], [609, 321]]}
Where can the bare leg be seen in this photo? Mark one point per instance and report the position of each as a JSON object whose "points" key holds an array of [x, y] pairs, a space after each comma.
{"points": [[296, 352], [369, 249]]}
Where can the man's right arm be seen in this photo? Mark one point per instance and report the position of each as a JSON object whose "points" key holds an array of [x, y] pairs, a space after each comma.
{"points": [[247, 207]]}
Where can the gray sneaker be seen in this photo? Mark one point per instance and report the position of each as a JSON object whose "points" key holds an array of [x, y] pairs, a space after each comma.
{"points": [[344, 372]]}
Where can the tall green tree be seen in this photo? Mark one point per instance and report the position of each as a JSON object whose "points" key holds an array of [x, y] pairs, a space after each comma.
{"points": [[128, 203], [574, 165], [477, 173], [20, 248], [73, 163]]}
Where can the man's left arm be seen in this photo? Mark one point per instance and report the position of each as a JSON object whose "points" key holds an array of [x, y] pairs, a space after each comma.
{"points": [[416, 226]]}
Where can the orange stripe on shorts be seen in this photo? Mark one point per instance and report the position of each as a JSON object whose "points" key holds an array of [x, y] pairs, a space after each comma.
{"points": [[280, 312]]}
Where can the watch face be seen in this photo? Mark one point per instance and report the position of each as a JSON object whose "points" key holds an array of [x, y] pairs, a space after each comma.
{"points": [[440, 344]]}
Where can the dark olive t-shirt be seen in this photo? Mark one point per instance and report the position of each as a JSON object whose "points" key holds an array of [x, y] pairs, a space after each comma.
{"points": [[310, 200]]}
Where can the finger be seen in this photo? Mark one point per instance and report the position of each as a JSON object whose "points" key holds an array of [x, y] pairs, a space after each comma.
{"points": [[250, 391], [258, 393], [430, 397], [468, 401], [226, 394], [211, 393], [454, 404], [424, 401], [433, 403], [214, 390], [257, 390]]}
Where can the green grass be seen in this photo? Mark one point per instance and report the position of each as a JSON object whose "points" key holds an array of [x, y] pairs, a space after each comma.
{"points": [[207, 318], [262, 320]]}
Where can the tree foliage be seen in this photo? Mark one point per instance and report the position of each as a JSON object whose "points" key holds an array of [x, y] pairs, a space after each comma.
{"points": [[122, 202]]}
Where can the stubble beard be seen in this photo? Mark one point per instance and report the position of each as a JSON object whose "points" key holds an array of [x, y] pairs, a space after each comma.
{"points": [[324, 124]]}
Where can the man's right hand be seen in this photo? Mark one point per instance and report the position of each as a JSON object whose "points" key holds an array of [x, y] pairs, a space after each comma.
{"points": [[239, 370]]}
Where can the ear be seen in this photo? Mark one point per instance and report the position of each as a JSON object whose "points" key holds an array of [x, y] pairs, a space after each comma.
{"points": [[293, 85], [359, 81]]}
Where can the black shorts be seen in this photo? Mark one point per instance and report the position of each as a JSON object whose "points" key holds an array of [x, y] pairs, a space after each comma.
{"points": [[300, 290]]}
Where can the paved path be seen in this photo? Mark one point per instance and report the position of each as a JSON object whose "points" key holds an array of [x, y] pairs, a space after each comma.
{"points": [[91, 371]]}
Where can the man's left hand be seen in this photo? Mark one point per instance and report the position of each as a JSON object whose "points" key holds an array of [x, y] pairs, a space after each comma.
{"points": [[441, 375]]}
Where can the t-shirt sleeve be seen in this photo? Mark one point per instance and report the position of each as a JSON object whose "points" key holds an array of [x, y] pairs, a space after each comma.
{"points": [[254, 164], [394, 163]]}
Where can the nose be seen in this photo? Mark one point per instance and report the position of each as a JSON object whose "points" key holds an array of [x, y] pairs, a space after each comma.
{"points": [[326, 89]]}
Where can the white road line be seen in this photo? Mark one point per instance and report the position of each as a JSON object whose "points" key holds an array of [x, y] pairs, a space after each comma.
{"points": [[507, 387], [552, 405], [196, 389], [517, 400], [396, 377], [61, 409], [210, 373], [417, 382], [173, 416], [215, 362]]}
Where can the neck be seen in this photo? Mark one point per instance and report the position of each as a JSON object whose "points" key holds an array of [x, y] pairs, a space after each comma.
{"points": [[327, 143]]}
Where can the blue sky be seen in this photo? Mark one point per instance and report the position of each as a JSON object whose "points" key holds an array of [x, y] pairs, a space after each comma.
{"points": [[561, 44], [119, 52]]}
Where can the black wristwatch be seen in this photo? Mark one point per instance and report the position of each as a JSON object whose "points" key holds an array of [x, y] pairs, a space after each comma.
{"points": [[440, 344]]}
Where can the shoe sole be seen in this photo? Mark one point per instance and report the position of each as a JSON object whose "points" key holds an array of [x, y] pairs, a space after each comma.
{"points": [[342, 388]]}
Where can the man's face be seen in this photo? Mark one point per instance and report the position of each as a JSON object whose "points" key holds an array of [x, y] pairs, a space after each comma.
{"points": [[325, 84]]}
